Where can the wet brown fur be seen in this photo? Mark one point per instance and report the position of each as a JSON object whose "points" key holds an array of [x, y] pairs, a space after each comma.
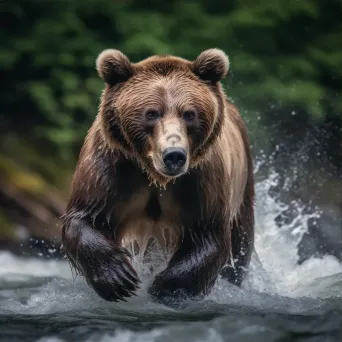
{"points": [[203, 219]]}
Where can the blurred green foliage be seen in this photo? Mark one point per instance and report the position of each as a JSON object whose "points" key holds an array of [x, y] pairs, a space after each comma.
{"points": [[284, 55]]}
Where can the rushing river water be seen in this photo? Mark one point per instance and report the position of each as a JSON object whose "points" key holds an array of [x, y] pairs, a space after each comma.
{"points": [[280, 300]]}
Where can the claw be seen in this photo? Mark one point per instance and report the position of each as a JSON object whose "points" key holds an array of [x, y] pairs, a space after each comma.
{"points": [[113, 277], [131, 283]]}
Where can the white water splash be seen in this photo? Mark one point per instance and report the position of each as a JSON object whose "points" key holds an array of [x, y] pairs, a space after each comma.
{"points": [[277, 247]]}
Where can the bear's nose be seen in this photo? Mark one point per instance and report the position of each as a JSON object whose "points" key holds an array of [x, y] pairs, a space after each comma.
{"points": [[174, 158]]}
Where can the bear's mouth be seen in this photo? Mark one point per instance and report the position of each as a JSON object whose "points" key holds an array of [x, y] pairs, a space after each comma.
{"points": [[172, 173]]}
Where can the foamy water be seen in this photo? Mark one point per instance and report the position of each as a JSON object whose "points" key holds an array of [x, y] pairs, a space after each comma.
{"points": [[41, 300]]}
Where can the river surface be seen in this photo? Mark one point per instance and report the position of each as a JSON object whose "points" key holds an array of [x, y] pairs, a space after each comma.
{"points": [[280, 300]]}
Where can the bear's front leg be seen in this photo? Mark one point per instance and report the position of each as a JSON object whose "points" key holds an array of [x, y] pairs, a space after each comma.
{"points": [[104, 263], [193, 269]]}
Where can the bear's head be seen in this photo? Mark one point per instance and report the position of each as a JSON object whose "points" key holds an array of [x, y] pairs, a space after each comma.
{"points": [[165, 111]]}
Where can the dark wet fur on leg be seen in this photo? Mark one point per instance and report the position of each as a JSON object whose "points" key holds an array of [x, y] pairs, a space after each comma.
{"points": [[105, 265], [193, 269]]}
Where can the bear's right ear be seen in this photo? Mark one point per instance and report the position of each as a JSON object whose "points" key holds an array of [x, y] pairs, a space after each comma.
{"points": [[113, 66]]}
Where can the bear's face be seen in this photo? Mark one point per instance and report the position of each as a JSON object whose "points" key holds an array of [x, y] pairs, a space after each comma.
{"points": [[162, 110]]}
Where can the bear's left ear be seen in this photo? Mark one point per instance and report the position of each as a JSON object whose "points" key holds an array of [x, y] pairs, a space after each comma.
{"points": [[113, 66], [211, 65]]}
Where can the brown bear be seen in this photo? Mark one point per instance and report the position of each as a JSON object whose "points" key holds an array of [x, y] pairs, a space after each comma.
{"points": [[167, 158]]}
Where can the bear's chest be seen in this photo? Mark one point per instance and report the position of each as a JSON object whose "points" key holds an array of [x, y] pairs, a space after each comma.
{"points": [[149, 214]]}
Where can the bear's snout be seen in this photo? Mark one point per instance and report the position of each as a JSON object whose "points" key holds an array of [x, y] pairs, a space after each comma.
{"points": [[174, 159]]}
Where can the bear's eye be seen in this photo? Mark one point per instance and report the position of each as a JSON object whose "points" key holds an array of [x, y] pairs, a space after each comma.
{"points": [[189, 115], [152, 115]]}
